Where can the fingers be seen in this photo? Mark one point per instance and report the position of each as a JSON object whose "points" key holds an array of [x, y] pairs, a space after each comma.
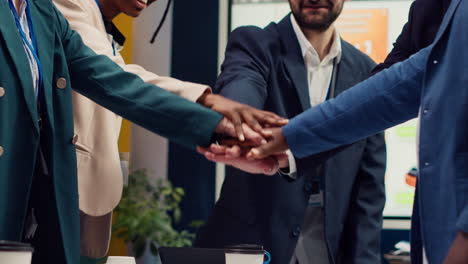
{"points": [[202, 150], [236, 120], [260, 152], [250, 120], [252, 135], [218, 149], [233, 156], [269, 118], [233, 152], [277, 144], [230, 152], [231, 126]]}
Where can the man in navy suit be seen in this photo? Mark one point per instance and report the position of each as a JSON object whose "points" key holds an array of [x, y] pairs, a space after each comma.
{"points": [[312, 214], [433, 82]]}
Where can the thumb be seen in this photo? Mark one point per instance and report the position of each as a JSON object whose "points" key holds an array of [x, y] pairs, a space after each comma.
{"points": [[261, 151], [277, 144]]}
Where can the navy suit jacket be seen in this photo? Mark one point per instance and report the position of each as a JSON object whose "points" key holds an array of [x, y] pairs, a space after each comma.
{"points": [[265, 69], [419, 32], [433, 82]]}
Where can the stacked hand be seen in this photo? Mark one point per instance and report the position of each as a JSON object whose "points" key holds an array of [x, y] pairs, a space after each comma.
{"points": [[236, 156], [252, 142], [239, 115], [249, 134]]}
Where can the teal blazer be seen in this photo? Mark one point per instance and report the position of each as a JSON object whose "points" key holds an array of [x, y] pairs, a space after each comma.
{"points": [[64, 56]]}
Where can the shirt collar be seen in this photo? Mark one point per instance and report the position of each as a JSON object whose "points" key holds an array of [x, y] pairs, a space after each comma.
{"points": [[112, 29], [22, 7], [335, 49]]}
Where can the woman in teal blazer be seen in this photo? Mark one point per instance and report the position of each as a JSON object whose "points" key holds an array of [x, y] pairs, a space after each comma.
{"points": [[67, 63]]}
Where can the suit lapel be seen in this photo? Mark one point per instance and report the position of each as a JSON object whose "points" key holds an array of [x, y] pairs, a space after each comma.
{"points": [[345, 72], [41, 15], [294, 62], [14, 45], [447, 18]]}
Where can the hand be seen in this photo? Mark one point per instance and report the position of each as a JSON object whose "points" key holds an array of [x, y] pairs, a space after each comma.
{"points": [[233, 156], [239, 113], [252, 138], [458, 253], [276, 144]]}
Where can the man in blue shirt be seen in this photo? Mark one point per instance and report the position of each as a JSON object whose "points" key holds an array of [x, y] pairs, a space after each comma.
{"points": [[433, 83]]}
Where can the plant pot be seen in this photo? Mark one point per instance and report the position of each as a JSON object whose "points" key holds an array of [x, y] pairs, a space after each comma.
{"points": [[147, 257]]}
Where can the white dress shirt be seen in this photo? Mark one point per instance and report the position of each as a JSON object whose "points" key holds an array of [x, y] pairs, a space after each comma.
{"points": [[22, 15], [319, 72]]}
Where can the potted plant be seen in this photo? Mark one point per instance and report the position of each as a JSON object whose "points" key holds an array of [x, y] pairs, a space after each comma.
{"points": [[146, 213]]}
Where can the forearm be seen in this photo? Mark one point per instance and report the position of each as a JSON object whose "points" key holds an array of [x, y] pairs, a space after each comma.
{"points": [[79, 16], [382, 101], [127, 95]]}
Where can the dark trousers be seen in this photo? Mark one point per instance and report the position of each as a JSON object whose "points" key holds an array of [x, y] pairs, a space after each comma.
{"points": [[47, 239]]}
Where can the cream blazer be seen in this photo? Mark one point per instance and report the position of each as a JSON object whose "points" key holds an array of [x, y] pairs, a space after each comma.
{"points": [[100, 179]]}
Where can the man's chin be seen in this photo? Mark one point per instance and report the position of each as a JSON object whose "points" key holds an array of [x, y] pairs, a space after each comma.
{"points": [[314, 24], [134, 13]]}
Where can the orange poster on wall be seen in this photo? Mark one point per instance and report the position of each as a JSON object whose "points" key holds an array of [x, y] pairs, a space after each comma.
{"points": [[367, 30]]}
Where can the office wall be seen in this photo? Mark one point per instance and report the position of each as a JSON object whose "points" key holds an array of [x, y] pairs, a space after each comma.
{"points": [[194, 58], [149, 151], [186, 48]]}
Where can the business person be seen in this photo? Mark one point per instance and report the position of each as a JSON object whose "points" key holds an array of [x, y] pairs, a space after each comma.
{"points": [[311, 215], [419, 32], [433, 83], [424, 19], [42, 60], [97, 129]]}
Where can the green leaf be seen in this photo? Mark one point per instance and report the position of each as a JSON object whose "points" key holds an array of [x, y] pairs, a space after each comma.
{"points": [[144, 213]]}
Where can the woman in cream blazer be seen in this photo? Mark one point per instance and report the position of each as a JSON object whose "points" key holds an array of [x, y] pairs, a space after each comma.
{"points": [[97, 129]]}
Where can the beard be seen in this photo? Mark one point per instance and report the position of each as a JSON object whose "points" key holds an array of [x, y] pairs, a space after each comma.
{"points": [[316, 22]]}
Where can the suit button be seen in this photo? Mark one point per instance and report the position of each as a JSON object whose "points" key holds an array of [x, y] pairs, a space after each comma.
{"points": [[74, 139], [61, 83], [1, 151], [2, 92], [296, 231], [435, 61]]}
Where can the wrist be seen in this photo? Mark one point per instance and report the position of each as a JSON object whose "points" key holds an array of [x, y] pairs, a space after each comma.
{"points": [[206, 99], [283, 164]]}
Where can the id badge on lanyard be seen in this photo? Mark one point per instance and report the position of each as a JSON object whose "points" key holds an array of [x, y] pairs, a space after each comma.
{"points": [[316, 199], [32, 45]]}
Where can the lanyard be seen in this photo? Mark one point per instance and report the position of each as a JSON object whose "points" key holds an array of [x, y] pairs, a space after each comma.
{"points": [[32, 46], [105, 21]]}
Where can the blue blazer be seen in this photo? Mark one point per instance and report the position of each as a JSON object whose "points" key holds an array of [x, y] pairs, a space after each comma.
{"points": [[434, 83], [265, 69]]}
